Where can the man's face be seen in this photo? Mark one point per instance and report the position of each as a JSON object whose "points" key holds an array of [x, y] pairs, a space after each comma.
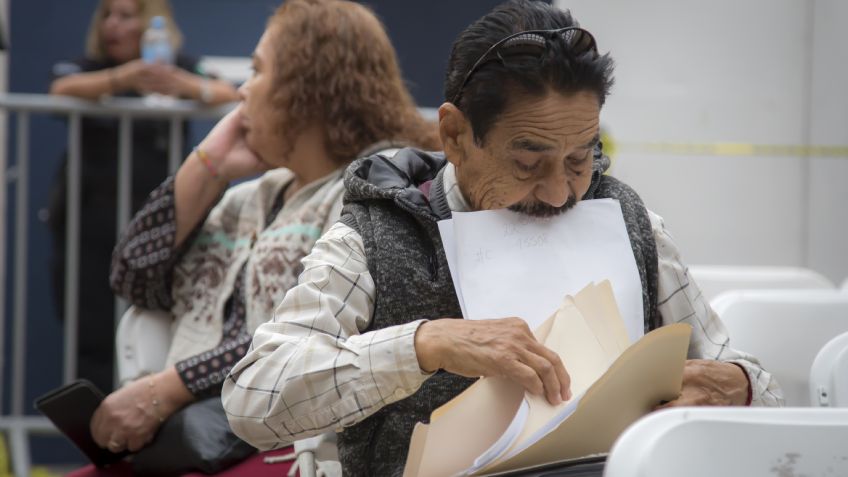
{"points": [[537, 158]]}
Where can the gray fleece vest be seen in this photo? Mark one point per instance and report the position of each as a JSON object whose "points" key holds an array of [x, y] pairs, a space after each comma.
{"points": [[397, 222]]}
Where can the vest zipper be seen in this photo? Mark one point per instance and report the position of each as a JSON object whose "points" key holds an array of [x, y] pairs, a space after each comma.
{"points": [[433, 266]]}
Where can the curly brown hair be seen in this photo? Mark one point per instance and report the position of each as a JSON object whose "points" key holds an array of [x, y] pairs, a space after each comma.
{"points": [[335, 66]]}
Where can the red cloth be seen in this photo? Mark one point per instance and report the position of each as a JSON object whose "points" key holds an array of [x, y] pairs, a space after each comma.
{"points": [[252, 467]]}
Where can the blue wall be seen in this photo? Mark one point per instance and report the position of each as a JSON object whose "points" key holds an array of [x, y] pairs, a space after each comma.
{"points": [[44, 32]]}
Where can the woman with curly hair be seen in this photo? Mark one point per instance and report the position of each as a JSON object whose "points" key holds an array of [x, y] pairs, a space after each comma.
{"points": [[326, 88]]}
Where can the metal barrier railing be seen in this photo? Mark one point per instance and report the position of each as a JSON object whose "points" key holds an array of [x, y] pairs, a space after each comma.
{"points": [[17, 424]]}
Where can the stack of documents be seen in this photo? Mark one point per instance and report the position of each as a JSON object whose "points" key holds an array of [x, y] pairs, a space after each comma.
{"points": [[495, 426]]}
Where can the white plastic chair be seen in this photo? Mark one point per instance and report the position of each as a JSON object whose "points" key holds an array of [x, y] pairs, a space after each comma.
{"points": [[317, 457], [784, 329], [829, 374], [749, 442], [716, 279], [142, 343]]}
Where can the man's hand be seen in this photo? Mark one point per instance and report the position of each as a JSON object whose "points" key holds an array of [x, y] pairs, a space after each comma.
{"points": [[504, 347], [711, 383]]}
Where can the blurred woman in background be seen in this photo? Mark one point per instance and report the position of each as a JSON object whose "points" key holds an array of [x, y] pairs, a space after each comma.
{"points": [[112, 66]]}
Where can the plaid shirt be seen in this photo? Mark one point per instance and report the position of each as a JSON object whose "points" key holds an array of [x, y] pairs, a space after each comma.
{"points": [[311, 369]]}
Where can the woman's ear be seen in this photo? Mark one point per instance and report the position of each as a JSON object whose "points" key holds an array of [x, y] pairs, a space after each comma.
{"points": [[453, 127]]}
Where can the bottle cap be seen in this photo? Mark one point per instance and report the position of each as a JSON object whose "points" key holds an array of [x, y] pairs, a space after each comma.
{"points": [[157, 22]]}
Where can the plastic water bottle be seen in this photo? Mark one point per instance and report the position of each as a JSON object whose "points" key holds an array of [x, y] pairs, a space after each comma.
{"points": [[156, 43], [156, 47]]}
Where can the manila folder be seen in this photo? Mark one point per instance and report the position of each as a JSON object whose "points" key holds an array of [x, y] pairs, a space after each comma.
{"points": [[649, 371]]}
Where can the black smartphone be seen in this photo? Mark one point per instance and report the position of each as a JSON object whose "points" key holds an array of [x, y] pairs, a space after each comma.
{"points": [[70, 408]]}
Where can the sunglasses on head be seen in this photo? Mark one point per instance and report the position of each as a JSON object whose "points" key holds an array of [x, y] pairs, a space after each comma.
{"points": [[529, 43]]}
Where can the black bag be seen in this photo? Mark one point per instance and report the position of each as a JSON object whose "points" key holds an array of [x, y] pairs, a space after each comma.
{"points": [[197, 438], [83, 398]]}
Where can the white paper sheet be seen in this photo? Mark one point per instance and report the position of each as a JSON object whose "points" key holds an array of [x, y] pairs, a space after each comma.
{"points": [[449, 244], [506, 264]]}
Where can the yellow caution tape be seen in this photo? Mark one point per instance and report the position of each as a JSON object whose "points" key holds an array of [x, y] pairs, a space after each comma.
{"points": [[732, 149]]}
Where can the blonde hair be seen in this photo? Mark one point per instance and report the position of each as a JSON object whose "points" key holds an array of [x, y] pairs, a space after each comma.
{"points": [[147, 9]]}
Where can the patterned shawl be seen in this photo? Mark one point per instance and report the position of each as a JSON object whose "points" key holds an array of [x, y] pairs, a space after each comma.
{"points": [[235, 234]]}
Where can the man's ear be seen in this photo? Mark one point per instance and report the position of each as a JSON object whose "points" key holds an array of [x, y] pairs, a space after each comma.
{"points": [[453, 130]]}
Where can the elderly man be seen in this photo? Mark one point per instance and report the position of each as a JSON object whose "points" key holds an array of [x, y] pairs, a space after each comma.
{"points": [[368, 343]]}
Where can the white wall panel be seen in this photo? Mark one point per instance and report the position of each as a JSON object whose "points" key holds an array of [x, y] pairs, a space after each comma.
{"points": [[769, 72], [829, 118], [828, 218], [723, 210], [688, 71], [828, 212]]}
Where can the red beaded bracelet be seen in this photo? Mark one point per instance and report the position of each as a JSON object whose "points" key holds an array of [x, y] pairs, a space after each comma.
{"points": [[206, 162]]}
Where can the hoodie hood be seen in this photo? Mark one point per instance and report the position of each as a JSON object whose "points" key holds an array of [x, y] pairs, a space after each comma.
{"points": [[398, 178]]}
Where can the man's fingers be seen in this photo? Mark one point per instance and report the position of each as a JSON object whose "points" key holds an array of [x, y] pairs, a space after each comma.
{"points": [[546, 371], [546, 363], [666, 405], [680, 401], [559, 367], [527, 377]]}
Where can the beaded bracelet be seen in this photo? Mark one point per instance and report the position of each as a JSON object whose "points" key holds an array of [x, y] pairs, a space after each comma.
{"points": [[151, 384], [206, 94], [206, 162]]}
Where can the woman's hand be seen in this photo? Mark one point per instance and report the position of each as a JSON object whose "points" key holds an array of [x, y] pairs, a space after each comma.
{"points": [[129, 418], [138, 76], [126, 418], [162, 79], [129, 76], [228, 150], [167, 80]]}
